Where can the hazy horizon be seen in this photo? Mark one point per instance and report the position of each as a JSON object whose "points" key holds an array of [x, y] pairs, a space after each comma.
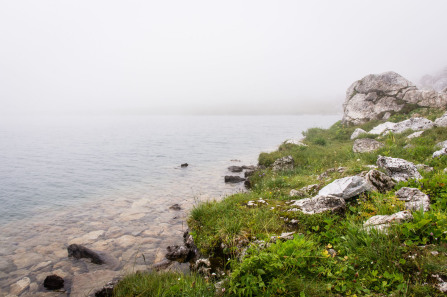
{"points": [[203, 57]]}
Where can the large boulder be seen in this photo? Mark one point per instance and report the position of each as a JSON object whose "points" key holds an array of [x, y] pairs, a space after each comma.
{"points": [[414, 199], [377, 95], [441, 121], [415, 124], [346, 187], [284, 163], [380, 181], [383, 222], [319, 204], [366, 145], [398, 169]]}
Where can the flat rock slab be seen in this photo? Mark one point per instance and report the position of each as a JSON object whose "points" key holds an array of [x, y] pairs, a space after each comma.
{"points": [[414, 199], [366, 145], [87, 284], [398, 169], [319, 204], [383, 222], [346, 187]]}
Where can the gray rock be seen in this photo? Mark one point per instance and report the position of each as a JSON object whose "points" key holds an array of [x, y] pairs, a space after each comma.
{"points": [[178, 253], [87, 284], [441, 152], [298, 142], [346, 187], [380, 181], [20, 286], [415, 135], [283, 237], [366, 145], [423, 167], [375, 95], [357, 132], [284, 163], [78, 251], [249, 167], [305, 191], [415, 124], [233, 179], [235, 168], [414, 199], [382, 128], [442, 144], [53, 282], [383, 222], [441, 121], [175, 207], [398, 169], [319, 204]]}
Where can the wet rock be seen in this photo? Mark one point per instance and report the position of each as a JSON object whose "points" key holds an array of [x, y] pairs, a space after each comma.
{"points": [[357, 132], [107, 290], [319, 204], [162, 265], [383, 222], [53, 282], [87, 284], [24, 260], [249, 167], [247, 184], [20, 286], [366, 145], [87, 238], [78, 251], [346, 187], [305, 191], [284, 163], [233, 179], [248, 173], [415, 135], [398, 169], [414, 199], [380, 181], [175, 207], [184, 165], [178, 253], [235, 168]]}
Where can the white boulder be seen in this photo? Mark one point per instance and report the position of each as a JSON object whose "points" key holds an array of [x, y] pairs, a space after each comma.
{"points": [[383, 222], [346, 187], [366, 145], [319, 204], [357, 132], [398, 169], [414, 199]]}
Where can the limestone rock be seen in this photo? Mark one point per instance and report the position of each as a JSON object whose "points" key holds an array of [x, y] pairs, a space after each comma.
{"points": [[346, 187], [284, 163], [398, 169], [87, 284], [423, 167], [319, 204], [366, 145], [298, 142], [357, 132], [382, 222], [441, 121], [374, 95], [305, 191], [415, 135], [380, 181], [440, 153], [382, 128], [20, 286], [415, 124], [414, 199], [442, 144]]}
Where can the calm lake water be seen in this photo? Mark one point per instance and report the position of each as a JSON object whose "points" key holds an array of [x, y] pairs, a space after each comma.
{"points": [[108, 182]]}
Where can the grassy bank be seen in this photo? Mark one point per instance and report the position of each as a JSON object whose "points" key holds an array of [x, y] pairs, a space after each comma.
{"points": [[331, 254]]}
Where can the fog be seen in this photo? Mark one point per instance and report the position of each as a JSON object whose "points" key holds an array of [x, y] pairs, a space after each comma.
{"points": [[208, 57]]}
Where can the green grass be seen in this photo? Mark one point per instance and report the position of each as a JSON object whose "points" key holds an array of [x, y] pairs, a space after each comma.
{"points": [[364, 264]]}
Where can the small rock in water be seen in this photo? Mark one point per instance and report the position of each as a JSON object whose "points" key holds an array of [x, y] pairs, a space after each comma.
{"points": [[78, 251], [233, 179], [184, 165], [53, 282], [235, 168], [175, 207]]}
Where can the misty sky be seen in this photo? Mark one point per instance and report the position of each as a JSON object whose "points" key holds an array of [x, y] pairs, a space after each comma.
{"points": [[217, 57]]}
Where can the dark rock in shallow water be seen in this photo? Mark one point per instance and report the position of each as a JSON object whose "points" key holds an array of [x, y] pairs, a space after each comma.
{"points": [[248, 173], [53, 282], [247, 184], [178, 253], [107, 290], [175, 207], [184, 165], [249, 167], [235, 168], [78, 251], [233, 179]]}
